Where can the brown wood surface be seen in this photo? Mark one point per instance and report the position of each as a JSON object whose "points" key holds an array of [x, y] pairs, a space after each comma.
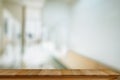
{"points": [[78, 74], [74, 60]]}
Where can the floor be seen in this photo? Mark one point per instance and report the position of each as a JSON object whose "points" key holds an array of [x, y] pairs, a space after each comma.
{"points": [[35, 56]]}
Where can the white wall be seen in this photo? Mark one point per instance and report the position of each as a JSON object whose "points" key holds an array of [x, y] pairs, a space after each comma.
{"points": [[56, 20], [33, 24], [95, 32]]}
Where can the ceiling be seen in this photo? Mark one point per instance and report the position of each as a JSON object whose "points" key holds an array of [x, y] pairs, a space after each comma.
{"points": [[37, 3]]}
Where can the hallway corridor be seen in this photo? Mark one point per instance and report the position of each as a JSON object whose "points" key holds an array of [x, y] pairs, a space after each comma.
{"points": [[60, 34], [36, 56]]}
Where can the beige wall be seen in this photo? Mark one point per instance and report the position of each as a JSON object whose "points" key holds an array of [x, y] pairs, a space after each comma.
{"points": [[15, 10], [96, 30], [1, 25], [0, 11]]}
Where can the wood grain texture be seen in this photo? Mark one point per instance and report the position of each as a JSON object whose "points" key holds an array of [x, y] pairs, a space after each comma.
{"points": [[77, 74]]}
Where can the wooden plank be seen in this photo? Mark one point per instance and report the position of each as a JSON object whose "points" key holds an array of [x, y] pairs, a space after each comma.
{"points": [[60, 79], [78, 74]]}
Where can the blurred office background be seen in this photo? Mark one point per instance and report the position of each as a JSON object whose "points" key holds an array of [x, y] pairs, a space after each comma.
{"points": [[41, 34]]}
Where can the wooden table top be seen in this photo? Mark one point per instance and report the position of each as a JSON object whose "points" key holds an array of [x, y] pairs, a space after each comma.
{"points": [[56, 73]]}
